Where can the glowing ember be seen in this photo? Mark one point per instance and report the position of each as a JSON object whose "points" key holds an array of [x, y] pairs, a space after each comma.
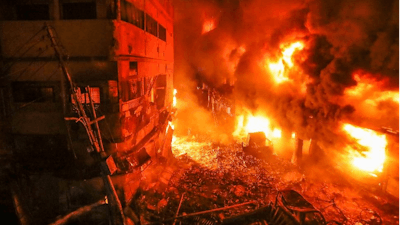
{"points": [[201, 152], [208, 26], [278, 68], [372, 159]]}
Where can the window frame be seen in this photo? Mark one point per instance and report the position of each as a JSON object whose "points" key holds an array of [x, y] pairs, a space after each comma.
{"points": [[132, 14], [91, 17], [162, 35], [27, 97], [31, 12]]}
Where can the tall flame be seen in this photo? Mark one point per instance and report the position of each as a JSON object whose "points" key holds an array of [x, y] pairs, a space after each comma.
{"points": [[371, 160], [278, 68]]}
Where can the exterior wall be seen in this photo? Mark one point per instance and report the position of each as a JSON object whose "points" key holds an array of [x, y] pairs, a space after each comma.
{"points": [[99, 51], [81, 38]]}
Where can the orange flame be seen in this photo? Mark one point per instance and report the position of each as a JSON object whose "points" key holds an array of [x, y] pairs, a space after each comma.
{"points": [[208, 26], [370, 88], [174, 98], [278, 68], [372, 160], [254, 124]]}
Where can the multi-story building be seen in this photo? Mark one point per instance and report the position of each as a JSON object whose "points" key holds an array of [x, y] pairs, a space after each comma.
{"points": [[122, 49]]}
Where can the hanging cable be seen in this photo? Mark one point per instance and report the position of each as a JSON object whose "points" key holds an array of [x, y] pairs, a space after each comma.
{"points": [[26, 51]]}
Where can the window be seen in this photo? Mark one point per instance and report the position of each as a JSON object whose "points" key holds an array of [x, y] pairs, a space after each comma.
{"points": [[162, 33], [33, 12], [131, 14], [133, 69], [32, 92], [94, 94], [161, 83], [151, 25], [113, 91], [3, 102], [79, 10], [132, 86]]}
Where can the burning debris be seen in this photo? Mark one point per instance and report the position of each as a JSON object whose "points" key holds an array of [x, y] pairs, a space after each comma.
{"points": [[220, 184], [321, 75]]}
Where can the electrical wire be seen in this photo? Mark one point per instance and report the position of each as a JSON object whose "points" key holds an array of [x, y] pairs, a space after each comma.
{"points": [[26, 51], [31, 63]]}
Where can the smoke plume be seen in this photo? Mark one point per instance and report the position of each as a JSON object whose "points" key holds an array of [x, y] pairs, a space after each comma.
{"points": [[232, 40]]}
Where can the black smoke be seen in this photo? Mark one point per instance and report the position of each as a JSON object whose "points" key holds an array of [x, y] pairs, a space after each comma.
{"points": [[340, 37]]}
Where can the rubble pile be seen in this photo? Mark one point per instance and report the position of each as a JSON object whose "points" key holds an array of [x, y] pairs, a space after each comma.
{"points": [[207, 176]]}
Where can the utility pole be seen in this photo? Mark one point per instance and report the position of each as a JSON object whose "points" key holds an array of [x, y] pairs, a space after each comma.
{"points": [[94, 134]]}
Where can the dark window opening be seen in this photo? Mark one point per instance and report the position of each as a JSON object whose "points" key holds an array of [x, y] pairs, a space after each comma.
{"points": [[33, 12], [25, 92], [133, 67], [79, 10], [162, 33], [132, 86], [131, 14], [3, 102], [160, 94], [151, 25]]}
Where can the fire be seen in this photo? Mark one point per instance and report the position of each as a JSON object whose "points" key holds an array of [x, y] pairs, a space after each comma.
{"points": [[171, 125], [254, 124], [208, 26], [278, 68], [174, 98], [370, 89], [287, 53], [371, 160], [276, 133]]}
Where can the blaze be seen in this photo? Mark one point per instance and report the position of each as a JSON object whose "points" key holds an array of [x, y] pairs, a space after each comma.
{"points": [[174, 98], [252, 124], [279, 68], [370, 89], [373, 158], [208, 26]]}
